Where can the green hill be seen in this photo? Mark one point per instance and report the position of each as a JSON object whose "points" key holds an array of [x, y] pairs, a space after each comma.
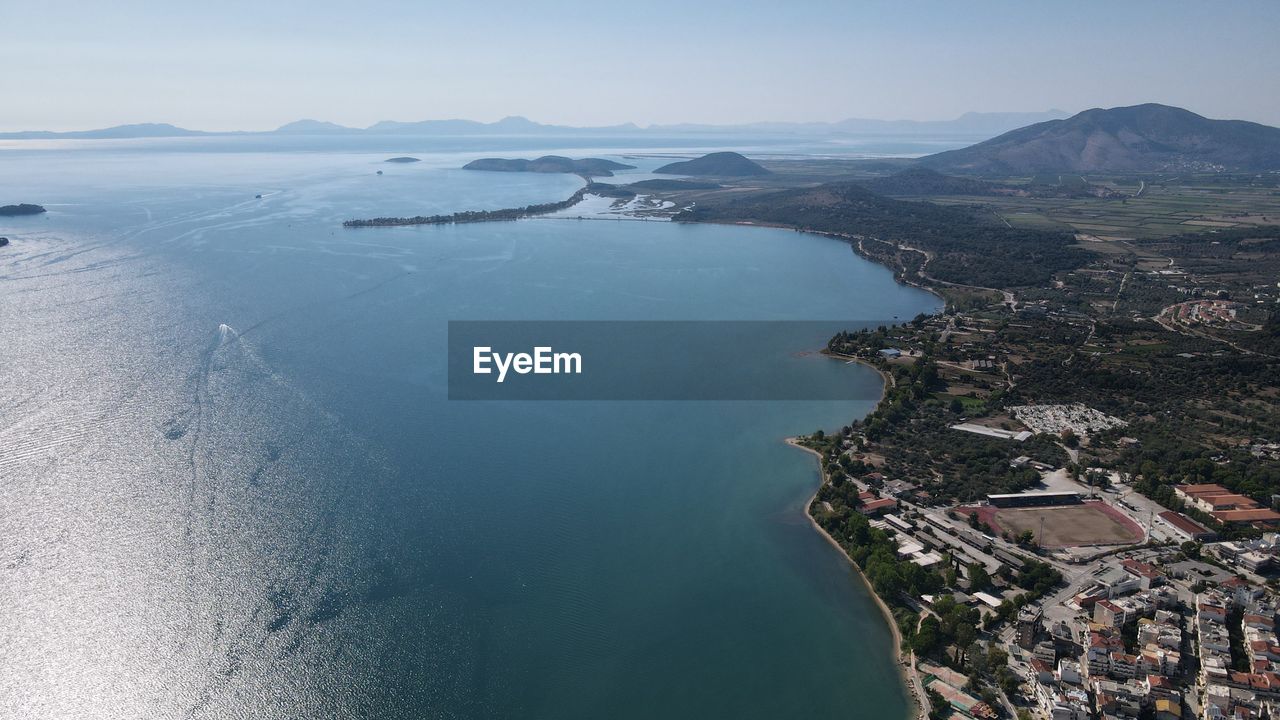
{"points": [[721, 164], [1141, 138]]}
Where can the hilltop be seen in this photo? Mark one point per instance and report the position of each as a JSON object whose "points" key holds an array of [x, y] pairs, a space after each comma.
{"points": [[722, 164], [1140, 138], [549, 164]]}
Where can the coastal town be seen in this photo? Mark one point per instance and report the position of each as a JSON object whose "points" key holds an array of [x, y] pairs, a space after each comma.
{"points": [[998, 489], [1172, 622]]}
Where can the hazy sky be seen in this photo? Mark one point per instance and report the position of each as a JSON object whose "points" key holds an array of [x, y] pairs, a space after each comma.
{"points": [[232, 64]]}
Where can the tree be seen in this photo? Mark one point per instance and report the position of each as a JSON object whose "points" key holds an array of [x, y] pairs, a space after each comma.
{"points": [[965, 635], [997, 657], [927, 637], [978, 577]]}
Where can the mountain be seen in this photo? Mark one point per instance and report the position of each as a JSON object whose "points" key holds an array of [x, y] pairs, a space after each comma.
{"points": [[513, 125], [315, 127], [1140, 138], [978, 124], [549, 164], [140, 130], [722, 164], [971, 123]]}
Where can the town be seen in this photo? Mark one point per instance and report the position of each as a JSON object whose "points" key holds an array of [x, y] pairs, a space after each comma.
{"points": [[1067, 498]]}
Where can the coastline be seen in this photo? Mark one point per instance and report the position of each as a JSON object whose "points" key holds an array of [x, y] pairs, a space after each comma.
{"points": [[885, 375], [906, 668]]}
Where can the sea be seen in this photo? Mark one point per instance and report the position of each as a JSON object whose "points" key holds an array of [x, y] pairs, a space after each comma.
{"points": [[233, 483]]}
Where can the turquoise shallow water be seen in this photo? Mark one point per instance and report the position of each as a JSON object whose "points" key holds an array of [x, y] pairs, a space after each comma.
{"points": [[232, 484]]}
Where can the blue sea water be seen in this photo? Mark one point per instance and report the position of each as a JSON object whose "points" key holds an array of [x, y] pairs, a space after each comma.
{"points": [[232, 484]]}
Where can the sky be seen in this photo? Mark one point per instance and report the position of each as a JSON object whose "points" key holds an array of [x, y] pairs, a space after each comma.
{"points": [[238, 65]]}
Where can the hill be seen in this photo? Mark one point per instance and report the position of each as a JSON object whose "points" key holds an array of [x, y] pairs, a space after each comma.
{"points": [[549, 164], [314, 127], [1141, 138], [20, 209], [722, 164]]}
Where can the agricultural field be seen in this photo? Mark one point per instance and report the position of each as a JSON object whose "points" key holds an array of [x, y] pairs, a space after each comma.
{"points": [[1153, 209]]}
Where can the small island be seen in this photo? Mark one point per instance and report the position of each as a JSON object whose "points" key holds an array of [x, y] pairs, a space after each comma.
{"points": [[597, 167], [4, 241], [722, 164], [402, 159], [20, 209]]}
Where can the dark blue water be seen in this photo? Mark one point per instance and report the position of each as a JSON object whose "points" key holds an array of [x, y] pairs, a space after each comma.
{"points": [[231, 484]]}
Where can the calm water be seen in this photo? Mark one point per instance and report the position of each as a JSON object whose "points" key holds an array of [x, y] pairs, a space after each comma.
{"points": [[231, 485]]}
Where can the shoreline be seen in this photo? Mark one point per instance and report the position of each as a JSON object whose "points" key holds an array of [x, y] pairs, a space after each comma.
{"points": [[906, 669], [885, 375]]}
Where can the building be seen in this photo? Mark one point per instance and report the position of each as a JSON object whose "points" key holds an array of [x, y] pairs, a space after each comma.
{"points": [[1186, 528], [1027, 626], [1225, 506], [1110, 614], [876, 507], [1033, 499], [1145, 573], [1046, 652]]}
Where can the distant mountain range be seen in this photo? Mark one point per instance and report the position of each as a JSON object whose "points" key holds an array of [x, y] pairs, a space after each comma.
{"points": [[974, 124], [1140, 138]]}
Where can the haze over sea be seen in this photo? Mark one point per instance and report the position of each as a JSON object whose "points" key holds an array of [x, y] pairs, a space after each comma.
{"points": [[231, 484]]}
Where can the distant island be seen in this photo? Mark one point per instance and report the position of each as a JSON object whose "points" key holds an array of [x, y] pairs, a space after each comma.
{"points": [[402, 159], [597, 167], [4, 241], [20, 209], [1140, 138], [722, 164]]}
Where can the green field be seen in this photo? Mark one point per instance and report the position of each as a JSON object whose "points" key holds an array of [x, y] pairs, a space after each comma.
{"points": [[1159, 211]]}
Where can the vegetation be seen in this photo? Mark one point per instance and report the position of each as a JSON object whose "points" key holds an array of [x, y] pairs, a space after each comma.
{"points": [[720, 164], [550, 164], [20, 209], [471, 216], [958, 241]]}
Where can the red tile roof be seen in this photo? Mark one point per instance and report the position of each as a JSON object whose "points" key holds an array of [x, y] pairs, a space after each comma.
{"points": [[1254, 515], [1184, 523]]}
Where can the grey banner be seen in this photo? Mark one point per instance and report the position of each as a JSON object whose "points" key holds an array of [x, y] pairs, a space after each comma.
{"points": [[652, 360]]}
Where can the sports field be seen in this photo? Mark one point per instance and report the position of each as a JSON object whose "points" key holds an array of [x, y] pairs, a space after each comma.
{"points": [[1091, 523]]}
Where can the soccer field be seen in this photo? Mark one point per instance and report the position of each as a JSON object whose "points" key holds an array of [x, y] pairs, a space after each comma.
{"points": [[1071, 525]]}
